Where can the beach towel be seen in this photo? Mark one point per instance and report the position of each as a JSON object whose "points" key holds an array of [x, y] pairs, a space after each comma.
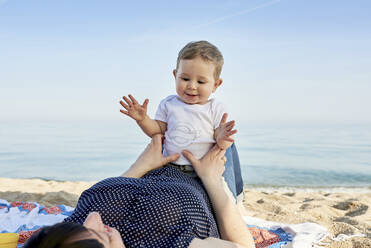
{"points": [[304, 235], [27, 217]]}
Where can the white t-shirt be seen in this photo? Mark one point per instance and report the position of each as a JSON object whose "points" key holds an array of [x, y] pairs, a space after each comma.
{"points": [[189, 126]]}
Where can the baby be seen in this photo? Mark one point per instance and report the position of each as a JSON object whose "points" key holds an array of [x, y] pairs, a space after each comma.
{"points": [[190, 120]]}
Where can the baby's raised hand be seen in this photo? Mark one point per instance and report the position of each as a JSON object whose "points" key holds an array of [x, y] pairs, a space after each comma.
{"points": [[134, 109], [223, 134]]}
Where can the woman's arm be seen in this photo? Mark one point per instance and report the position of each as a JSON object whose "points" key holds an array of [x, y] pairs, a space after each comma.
{"points": [[230, 223], [150, 159]]}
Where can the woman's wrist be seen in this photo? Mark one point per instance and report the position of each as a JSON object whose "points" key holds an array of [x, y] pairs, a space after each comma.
{"points": [[211, 183], [135, 171]]}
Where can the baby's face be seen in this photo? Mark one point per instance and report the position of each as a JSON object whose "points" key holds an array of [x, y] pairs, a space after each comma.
{"points": [[195, 80]]}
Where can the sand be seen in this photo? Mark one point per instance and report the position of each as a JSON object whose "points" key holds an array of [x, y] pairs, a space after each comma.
{"points": [[342, 212], [49, 193]]}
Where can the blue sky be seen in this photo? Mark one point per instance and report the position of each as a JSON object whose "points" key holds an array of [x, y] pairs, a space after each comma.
{"points": [[288, 60]]}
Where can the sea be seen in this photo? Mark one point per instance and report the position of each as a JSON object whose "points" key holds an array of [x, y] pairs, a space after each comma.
{"points": [[272, 155]]}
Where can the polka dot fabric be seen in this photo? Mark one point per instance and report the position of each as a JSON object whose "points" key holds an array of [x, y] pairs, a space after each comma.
{"points": [[165, 208]]}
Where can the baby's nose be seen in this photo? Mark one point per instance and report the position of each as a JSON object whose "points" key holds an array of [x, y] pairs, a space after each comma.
{"points": [[192, 84]]}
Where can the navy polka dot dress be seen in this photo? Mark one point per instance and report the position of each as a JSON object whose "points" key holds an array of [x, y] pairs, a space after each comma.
{"points": [[165, 208]]}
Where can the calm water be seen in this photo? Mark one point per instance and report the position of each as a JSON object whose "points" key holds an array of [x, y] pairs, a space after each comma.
{"points": [[271, 155]]}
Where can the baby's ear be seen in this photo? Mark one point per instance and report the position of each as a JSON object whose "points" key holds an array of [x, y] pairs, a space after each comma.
{"points": [[174, 73], [217, 84]]}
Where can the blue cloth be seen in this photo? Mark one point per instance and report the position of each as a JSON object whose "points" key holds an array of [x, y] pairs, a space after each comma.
{"points": [[232, 174], [165, 208]]}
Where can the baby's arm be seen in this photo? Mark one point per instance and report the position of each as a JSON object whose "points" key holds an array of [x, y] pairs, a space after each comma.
{"points": [[139, 113], [224, 133]]}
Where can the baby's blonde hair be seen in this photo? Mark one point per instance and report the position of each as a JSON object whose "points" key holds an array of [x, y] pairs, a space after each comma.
{"points": [[206, 51]]}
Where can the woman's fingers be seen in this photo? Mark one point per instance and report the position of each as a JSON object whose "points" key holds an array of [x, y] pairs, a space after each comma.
{"points": [[188, 155], [221, 153], [217, 151], [171, 158], [94, 221], [115, 239]]}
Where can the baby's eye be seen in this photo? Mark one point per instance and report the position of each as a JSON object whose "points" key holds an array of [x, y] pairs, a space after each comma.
{"points": [[185, 79], [201, 82]]}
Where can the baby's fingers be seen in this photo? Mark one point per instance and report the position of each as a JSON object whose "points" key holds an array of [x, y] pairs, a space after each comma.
{"points": [[224, 119], [230, 133], [124, 105], [145, 103], [228, 139], [133, 99], [124, 112], [128, 101], [230, 124]]}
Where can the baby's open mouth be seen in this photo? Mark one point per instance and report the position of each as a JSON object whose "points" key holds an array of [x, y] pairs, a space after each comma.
{"points": [[190, 94]]}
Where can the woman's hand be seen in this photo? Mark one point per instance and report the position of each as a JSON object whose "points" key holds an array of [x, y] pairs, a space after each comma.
{"points": [[150, 159], [230, 223], [211, 166]]}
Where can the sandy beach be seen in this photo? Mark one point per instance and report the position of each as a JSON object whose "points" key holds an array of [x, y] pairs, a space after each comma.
{"points": [[342, 212]]}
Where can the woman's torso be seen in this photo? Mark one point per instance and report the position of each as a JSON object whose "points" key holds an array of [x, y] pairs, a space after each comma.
{"points": [[165, 208]]}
